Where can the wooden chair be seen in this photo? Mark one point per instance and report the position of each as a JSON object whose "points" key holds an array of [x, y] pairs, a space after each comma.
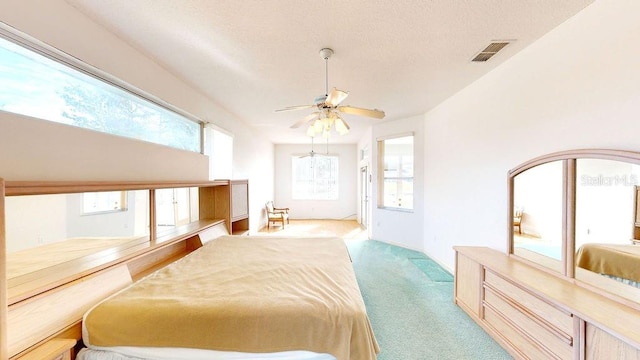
{"points": [[275, 214], [517, 220]]}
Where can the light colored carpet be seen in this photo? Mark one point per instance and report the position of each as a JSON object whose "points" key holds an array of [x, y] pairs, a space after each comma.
{"points": [[409, 299]]}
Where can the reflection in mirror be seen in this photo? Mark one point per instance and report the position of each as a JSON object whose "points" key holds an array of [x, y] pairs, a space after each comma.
{"points": [[605, 219], [47, 230], [537, 203], [175, 207]]}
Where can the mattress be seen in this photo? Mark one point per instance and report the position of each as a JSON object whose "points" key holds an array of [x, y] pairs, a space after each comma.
{"points": [[244, 294], [137, 353]]}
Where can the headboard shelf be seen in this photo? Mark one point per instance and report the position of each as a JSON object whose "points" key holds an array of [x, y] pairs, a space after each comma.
{"points": [[13, 188], [41, 303]]}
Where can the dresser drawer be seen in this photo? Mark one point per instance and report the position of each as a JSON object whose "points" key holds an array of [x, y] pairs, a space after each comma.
{"points": [[558, 318], [546, 337], [515, 338]]}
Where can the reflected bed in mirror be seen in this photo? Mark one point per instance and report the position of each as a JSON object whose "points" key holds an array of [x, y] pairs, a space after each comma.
{"points": [[575, 213], [606, 225]]}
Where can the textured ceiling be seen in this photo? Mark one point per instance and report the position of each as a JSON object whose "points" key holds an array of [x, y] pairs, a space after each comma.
{"points": [[254, 56]]}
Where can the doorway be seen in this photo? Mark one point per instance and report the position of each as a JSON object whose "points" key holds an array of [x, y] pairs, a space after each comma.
{"points": [[364, 196]]}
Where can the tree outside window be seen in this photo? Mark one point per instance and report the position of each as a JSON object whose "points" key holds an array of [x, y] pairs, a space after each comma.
{"points": [[44, 87]]}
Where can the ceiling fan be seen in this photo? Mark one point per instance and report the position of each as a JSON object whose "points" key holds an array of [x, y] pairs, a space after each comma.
{"points": [[329, 108], [313, 154]]}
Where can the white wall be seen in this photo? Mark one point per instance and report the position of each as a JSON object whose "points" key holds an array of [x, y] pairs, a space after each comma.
{"points": [[56, 23], [32, 149], [577, 87], [343, 208], [392, 226]]}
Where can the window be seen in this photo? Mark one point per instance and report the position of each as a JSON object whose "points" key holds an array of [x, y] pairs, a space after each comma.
{"points": [[315, 177], [41, 82], [101, 202], [364, 154], [396, 175], [219, 148]]}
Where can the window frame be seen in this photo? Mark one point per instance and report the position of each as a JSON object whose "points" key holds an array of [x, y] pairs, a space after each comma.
{"points": [[381, 172]]}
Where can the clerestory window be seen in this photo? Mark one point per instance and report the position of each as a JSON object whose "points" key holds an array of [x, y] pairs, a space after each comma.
{"points": [[42, 82]]}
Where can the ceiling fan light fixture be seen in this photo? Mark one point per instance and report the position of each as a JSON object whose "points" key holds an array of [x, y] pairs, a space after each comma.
{"points": [[318, 125], [311, 131], [341, 126], [328, 108]]}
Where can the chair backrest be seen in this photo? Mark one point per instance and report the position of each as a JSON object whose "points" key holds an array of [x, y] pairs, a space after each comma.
{"points": [[518, 213], [269, 206]]}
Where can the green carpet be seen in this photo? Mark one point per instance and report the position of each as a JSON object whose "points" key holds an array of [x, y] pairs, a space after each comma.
{"points": [[432, 269], [409, 300]]}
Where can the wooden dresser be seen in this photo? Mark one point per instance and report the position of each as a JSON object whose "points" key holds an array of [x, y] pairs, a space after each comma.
{"points": [[536, 315]]}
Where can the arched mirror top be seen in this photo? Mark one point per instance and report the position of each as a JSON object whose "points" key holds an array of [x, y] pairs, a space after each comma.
{"points": [[605, 154], [577, 214]]}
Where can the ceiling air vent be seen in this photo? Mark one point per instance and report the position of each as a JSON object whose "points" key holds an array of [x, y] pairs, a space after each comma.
{"points": [[490, 50]]}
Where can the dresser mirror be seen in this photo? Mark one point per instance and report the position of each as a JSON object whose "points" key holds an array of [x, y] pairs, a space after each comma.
{"points": [[575, 213], [605, 225], [537, 203]]}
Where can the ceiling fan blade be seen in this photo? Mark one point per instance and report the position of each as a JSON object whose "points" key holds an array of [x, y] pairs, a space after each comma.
{"points": [[299, 107], [375, 113], [306, 119], [335, 97]]}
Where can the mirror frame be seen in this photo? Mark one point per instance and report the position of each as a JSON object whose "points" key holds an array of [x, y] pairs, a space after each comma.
{"points": [[569, 162]]}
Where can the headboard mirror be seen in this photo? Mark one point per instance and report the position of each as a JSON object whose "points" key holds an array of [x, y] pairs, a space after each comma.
{"points": [[575, 213], [52, 237]]}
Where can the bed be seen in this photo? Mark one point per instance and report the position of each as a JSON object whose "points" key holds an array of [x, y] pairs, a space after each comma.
{"points": [[618, 261], [239, 297]]}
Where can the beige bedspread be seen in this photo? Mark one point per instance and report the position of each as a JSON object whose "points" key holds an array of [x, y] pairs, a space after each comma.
{"points": [[249, 294], [618, 260]]}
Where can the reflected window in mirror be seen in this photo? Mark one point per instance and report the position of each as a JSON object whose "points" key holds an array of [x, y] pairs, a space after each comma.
{"points": [[175, 207], [537, 207], [106, 201], [606, 226], [66, 232]]}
